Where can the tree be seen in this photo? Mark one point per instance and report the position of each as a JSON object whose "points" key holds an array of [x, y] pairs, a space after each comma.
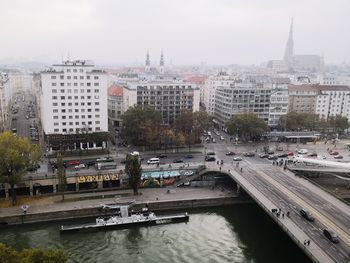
{"points": [[140, 123], [61, 175], [31, 255], [134, 171], [248, 126], [294, 121], [17, 154], [339, 123]]}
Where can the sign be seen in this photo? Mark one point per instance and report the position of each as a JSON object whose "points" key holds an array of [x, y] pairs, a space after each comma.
{"points": [[97, 178]]}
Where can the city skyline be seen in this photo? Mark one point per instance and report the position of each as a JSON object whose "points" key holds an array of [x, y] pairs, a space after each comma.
{"points": [[188, 32]]}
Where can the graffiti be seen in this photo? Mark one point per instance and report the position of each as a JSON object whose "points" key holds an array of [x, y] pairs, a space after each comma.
{"points": [[97, 178]]}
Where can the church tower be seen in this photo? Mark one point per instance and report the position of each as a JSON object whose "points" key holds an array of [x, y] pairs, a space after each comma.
{"points": [[289, 52], [148, 63], [161, 63]]}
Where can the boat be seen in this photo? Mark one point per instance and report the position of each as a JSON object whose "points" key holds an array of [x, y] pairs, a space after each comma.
{"points": [[123, 218]]}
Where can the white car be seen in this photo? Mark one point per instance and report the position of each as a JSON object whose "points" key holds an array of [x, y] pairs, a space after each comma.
{"points": [[237, 158], [153, 161], [222, 138], [302, 151], [79, 166]]}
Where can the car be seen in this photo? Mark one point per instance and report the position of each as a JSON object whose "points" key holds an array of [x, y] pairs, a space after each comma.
{"points": [[334, 153], [338, 157], [210, 153], [188, 156], [79, 166], [213, 140], [237, 158], [222, 138], [272, 157], [230, 153], [161, 155], [303, 151], [322, 157], [73, 162], [290, 154], [331, 235], [210, 158], [313, 154], [178, 161], [282, 155], [307, 215], [250, 154], [270, 152], [263, 155], [104, 159], [153, 161], [27, 117], [90, 163], [123, 161]]}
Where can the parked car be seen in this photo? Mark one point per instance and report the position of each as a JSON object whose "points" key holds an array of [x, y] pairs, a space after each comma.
{"points": [[230, 153], [338, 157], [313, 154], [303, 151], [210, 153], [79, 166], [282, 155], [161, 155], [270, 152], [210, 158], [178, 161], [73, 162], [153, 161], [331, 235], [188, 156], [237, 158], [307, 215], [321, 157], [263, 155], [290, 154], [222, 138], [249, 154], [272, 157], [334, 153]]}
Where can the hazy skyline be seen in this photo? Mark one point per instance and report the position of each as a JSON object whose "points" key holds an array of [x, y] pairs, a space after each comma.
{"points": [[188, 31]]}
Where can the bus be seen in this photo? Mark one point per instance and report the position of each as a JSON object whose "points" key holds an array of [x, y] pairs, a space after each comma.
{"points": [[106, 166], [14, 131]]}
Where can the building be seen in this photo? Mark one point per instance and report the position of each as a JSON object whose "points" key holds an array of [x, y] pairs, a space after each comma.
{"points": [[302, 98], [211, 85], [115, 105], [241, 97], [278, 105], [73, 105], [4, 102], [168, 97]]}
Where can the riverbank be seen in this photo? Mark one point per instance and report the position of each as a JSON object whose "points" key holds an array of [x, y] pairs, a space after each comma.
{"points": [[159, 199]]}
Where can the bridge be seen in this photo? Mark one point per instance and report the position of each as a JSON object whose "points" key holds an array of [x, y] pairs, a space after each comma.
{"points": [[275, 188]]}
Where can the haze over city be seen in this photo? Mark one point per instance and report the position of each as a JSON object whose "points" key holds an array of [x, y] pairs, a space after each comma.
{"points": [[189, 32]]}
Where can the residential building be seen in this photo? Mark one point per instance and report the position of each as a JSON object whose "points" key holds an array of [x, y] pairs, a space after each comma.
{"points": [[115, 105], [302, 98], [74, 102], [241, 97], [4, 102]]}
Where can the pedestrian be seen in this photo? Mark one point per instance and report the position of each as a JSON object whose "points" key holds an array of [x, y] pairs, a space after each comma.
{"points": [[273, 162], [220, 168], [241, 169], [282, 215], [308, 242], [284, 168], [304, 242], [287, 213]]}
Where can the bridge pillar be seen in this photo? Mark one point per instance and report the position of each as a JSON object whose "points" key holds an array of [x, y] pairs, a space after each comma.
{"points": [[77, 186], [31, 189], [54, 186], [100, 185], [238, 188], [7, 193]]}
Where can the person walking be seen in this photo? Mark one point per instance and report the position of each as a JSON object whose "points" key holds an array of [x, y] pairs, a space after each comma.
{"points": [[241, 169]]}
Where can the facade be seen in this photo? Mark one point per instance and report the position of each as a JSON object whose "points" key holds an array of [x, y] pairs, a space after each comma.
{"points": [[333, 100], [278, 105], [4, 102], [166, 96], [115, 105], [302, 98], [211, 84], [74, 99], [242, 97]]}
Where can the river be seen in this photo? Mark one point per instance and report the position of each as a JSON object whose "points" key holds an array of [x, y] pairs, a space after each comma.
{"points": [[239, 233]]}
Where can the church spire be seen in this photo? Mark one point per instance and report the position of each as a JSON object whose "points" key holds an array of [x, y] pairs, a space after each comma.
{"points": [[161, 63], [289, 52]]}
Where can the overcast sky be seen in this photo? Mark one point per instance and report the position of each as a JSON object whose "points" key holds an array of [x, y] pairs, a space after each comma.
{"points": [[188, 31]]}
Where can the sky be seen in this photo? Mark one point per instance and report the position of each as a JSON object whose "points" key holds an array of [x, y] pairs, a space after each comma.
{"points": [[215, 32]]}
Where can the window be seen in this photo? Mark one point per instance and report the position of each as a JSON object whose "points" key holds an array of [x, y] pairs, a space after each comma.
{"points": [[56, 130], [82, 97], [53, 84], [87, 77], [83, 116], [63, 110], [81, 84], [76, 110], [88, 91], [76, 97], [54, 97], [55, 123], [69, 97], [62, 84], [77, 123], [75, 77], [97, 97], [64, 130], [89, 110], [54, 91], [76, 104], [75, 70], [82, 91], [69, 77], [88, 84], [55, 111], [97, 116], [89, 103], [70, 117], [76, 116], [55, 117], [96, 84], [97, 122], [63, 97], [53, 77], [89, 122], [75, 91], [82, 104], [75, 84], [82, 110], [55, 104], [81, 77], [63, 104], [97, 103], [63, 117], [71, 123], [97, 109], [64, 123], [68, 70], [69, 84]]}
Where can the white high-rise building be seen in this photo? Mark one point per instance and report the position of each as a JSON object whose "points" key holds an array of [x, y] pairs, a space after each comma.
{"points": [[4, 101], [74, 101]]}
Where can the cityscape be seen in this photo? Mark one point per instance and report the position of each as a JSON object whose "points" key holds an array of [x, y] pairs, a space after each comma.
{"points": [[234, 147]]}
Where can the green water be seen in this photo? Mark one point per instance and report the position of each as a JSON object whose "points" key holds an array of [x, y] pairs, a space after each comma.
{"points": [[239, 233]]}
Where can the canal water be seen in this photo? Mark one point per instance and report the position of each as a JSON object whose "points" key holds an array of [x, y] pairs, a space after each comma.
{"points": [[239, 233]]}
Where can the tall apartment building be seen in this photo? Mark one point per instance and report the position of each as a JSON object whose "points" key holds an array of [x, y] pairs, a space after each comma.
{"points": [[211, 84], [302, 98], [4, 101], [278, 105], [166, 96], [333, 100], [241, 97], [74, 102], [115, 105]]}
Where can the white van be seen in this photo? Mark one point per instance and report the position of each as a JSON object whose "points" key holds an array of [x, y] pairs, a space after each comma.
{"points": [[302, 151], [153, 161]]}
